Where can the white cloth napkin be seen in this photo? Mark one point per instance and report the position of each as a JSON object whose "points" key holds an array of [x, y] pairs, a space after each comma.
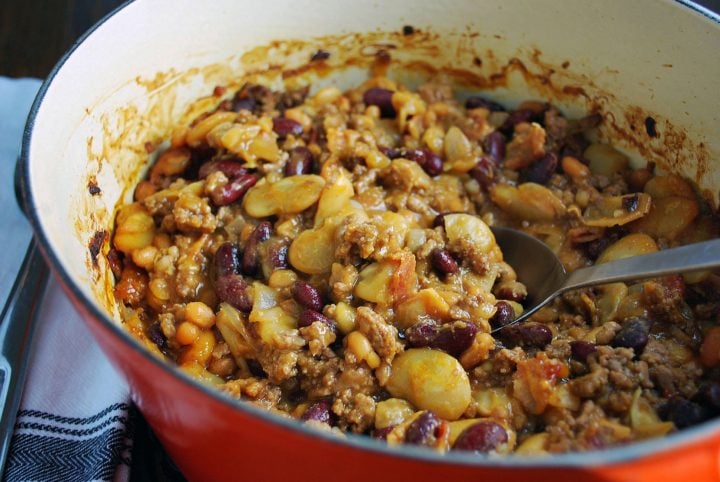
{"points": [[75, 416]]}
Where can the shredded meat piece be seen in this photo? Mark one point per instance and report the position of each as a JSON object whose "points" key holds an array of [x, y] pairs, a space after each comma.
{"points": [[193, 213], [318, 377], [356, 411], [319, 337], [279, 365], [373, 239], [382, 335], [261, 392], [342, 281], [587, 430], [672, 375], [556, 129]]}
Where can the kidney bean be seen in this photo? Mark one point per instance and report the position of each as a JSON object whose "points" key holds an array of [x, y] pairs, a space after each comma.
{"points": [[284, 127], [481, 437], [428, 160], [391, 152], [477, 101], [156, 335], [227, 259], [593, 249], [516, 116], [307, 296], [232, 289], [230, 167], [308, 317], [528, 335], [494, 145], [581, 350], [708, 395], [683, 413], [439, 220], [251, 258], [320, 55], [443, 262], [300, 162], [247, 103], [255, 368], [381, 98], [634, 334], [422, 430], [574, 146], [511, 291], [484, 172], [115, 260], [319, 411], [382, 433], [630, 203], [589, 121], [422, 333], [255, 98], [278, 254], [234, 190], [504, 314], [541, 170], [453, 338]]}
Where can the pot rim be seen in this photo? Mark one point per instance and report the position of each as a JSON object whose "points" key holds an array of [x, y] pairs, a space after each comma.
{"points": [[605, 457]]}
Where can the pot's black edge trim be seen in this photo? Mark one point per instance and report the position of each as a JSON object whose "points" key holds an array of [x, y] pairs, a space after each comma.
{"points": [[587, 461], [704, 11]]}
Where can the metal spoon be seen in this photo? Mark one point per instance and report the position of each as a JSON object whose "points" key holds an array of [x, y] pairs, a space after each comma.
{"points": [[542, 273]]}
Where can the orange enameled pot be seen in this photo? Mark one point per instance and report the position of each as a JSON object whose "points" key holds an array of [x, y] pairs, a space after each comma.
{"points": [[131, 78]]}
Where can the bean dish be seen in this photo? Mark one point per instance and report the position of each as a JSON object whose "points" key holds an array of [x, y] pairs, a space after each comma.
{"points": [[328, 256]]}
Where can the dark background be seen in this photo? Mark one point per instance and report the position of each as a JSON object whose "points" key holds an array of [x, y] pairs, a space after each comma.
{"points": [[35, 33]]}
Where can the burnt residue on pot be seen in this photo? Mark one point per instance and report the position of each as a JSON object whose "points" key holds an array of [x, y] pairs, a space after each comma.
{"points": [[95, 245], [465, 57], [93, 187]]}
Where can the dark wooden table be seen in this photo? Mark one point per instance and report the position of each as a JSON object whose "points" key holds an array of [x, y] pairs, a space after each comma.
{"points": [[33, 36], [35, 33]]}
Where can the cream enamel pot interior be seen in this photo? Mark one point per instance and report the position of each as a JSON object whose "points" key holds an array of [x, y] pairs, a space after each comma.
{"points": [[130, 79]]}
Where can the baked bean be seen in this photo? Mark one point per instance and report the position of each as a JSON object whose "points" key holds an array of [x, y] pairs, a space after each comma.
{"points": [[477, 101], [443, 262], [483, 437], [381, 98], [527, 335], [308, 317], [307, 295], [504, 314], [284, 127], [453, 338], [581, 350], [234, 190], [300, 162], [232, 289], [430, 162], [319, 412], [251, 258], [227, 259], [633, 334], [422, 430]]}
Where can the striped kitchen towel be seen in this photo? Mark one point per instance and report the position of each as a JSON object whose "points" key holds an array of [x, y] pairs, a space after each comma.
{"points": [[76, 421]]}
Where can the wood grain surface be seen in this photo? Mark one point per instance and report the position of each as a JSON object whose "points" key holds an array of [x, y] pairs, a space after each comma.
{"points": [[35, 33]]}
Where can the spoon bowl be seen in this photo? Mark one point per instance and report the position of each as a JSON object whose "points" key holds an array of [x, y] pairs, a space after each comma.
{"points": [[545, 278]]}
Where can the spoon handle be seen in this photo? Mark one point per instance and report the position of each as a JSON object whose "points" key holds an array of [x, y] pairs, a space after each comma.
{"points": [[693, 257]]}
